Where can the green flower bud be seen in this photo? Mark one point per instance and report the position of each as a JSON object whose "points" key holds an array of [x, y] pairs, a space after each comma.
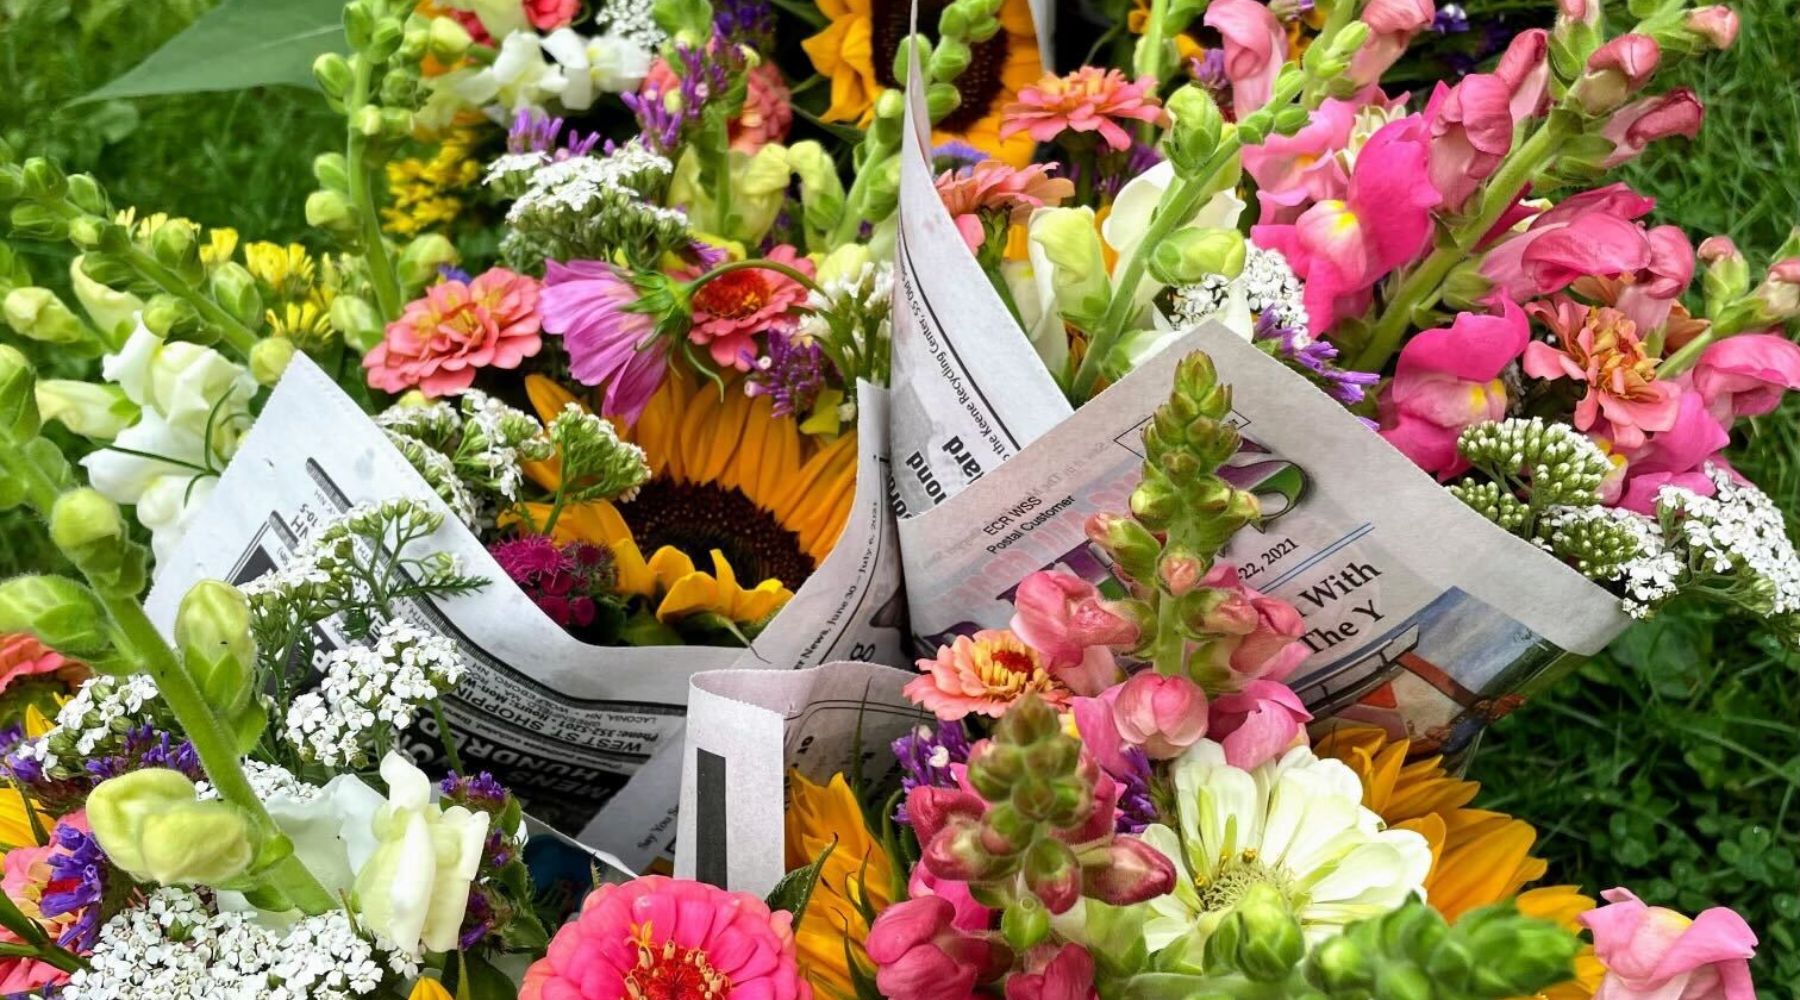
{"points": [[212, 629], [12, 182], [366, 120], [171, 317], [1025, 924], [19, 419], [34, 221], [1466, 286], [110, 310], [150, 824], [87, 231], [891, 104], [175, 246], [1727, 274], [332, 72], [1195, 128], [941, 99], [269, 359], [950, 58], [83, 519], [98, 410], [235, 290], [1340, 964], [884, 187], [1402, 981], [356, 321], [1291, 119], [58, 611], [420, 260], [396, 123], [1190, 255], [385, 41], [331, 171], [447, 39], [359, 23], [44, 181], [902, 64], [331, 210], [85, 194], [1514, 955], [1132, 547]]}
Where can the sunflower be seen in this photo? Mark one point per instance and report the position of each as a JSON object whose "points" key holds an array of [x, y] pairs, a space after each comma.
{"points": [[858, 876], [731, 486], [856, 50], [16, 829], [1478, 857]]}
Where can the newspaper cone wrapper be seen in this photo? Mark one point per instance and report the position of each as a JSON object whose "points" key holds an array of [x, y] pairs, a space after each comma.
{"points": [[1421, 616], [564, 724]]}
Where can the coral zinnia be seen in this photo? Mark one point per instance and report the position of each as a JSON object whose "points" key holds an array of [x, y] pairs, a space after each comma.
{"points": [[442, 339], [1088, 100], [984, 674], [662, 937], [856, 49], [857, 874], [610, 337], [731, 309], [22, 657], [991, 188]]}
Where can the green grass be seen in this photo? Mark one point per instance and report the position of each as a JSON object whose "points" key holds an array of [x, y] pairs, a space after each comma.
{"points": [[1671, 764]]}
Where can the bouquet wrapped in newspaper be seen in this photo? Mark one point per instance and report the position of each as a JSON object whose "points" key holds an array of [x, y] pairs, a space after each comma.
{"points": [[1443, 289], [1115, 796]]}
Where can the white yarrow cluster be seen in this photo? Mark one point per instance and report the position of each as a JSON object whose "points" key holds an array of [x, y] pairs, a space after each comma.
{"points": [[267, 781], [172, 947], [371, 689], [92, 723], [578, 184], [1266, 283], [865, 296], [633, 20]]}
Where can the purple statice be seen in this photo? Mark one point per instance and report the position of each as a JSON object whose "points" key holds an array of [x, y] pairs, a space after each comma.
{"points": [[1450, 19], [704, 73], [478, 919], [792, 374], [1113, 171], [10, 737], [1208, 70], [488, 906], [536, 132], [77, 885], [1315, 358], [926, 757], [1136, 809], [706, 256], [481, 791], [147, 746], [954, 155], [745, 22]]}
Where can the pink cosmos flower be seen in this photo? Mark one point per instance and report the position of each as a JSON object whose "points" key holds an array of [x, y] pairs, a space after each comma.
{"points": [[992, 187], [1066, 974], [1162, 714], [730, 310], [1741, 376], [1257, 636], [1525, 69], [611, 340], [1643, 121], [1088, 100], [1600, 346], [1654, 953], [22, 656], [1257, 724], [1392, 25], [1342, 248], [1675, 457], [549, 15], [1062, 617], [1294, 171], [1471, 127], [919, 953], [1591, 233], [766, 116], [1448, 379], [442, 339], [984, 674], [662, 937], [1255, 49]]}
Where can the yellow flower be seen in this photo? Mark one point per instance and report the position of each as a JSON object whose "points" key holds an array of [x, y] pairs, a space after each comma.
{"points": [[15, 820], [688, 591], [858, 872], [429, 989], [856, 51], [284, 272], [421, 188]]}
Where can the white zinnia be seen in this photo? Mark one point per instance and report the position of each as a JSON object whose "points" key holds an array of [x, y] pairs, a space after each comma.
{"points": [[1297, 823]]}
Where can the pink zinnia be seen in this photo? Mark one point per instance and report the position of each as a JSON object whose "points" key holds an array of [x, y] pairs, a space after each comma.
{"points": [[994, 187], [1087, 100], [730, 310], [610, 338], [984, 675], [442, 339], [663, 937], [22, 656]]}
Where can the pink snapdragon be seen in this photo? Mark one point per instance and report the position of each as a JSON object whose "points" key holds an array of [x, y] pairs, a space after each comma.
{"points": [[1342, 248], [1471, 127], [1600, 347], [1591, 233], [1253, 636], [1162, 714], [1448, 379], [1746, 375], [1654, 953], [1257, 724], [1067, 974], [1674, 457], [1255, 49], [1615, 71], [1643, 121], [1294, 171], [1392, 25], [1525, 69], [1062, 617], [919, 953], [1087, 100], [1717, 24], [1647, 297]]}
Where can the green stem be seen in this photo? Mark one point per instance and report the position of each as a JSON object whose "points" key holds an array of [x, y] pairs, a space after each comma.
{"points": [[40, 491], [1687, 354], [556, 508], [1177, 206], [1425, 281], [1168, 653], [446, 737], [362, 197], [760, 263], [1153, 43], [217, 754], [240, 337]]}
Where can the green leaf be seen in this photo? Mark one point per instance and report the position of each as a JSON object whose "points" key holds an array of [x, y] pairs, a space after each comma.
{"points": [[477, 979], [237, 45], [795, 889]]}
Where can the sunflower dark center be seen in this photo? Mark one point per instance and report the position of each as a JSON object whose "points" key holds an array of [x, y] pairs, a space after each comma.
{"points": [[980, 85], [699, 517]]}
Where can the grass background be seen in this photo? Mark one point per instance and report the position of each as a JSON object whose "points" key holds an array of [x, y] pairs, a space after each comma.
{"points": [[1670, 764]]}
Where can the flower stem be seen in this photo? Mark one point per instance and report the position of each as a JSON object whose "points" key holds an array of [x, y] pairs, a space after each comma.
{"points": [[1168, 653], [756, 262], [362, 198], [239, 336], [1425, 282]]}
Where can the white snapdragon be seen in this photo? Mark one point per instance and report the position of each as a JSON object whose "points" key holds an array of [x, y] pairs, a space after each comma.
{"points": [[370, 691], [414, 888], [607, 63]]}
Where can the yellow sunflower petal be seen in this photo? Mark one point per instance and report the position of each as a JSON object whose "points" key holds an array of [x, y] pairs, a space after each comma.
{"points": [[687, 595], [429, 989], [15, 821], [670, 565], [1480, 871]]}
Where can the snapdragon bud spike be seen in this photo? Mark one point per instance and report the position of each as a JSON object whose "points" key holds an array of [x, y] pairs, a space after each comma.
{"points": [[19, 421]]}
